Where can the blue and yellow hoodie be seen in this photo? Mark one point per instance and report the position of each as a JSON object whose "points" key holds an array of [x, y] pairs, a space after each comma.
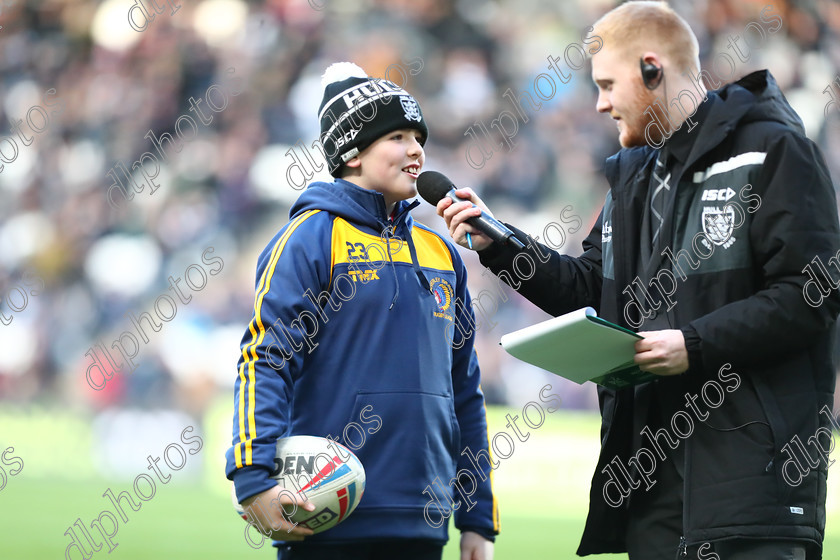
{"points": [[354, 336]]}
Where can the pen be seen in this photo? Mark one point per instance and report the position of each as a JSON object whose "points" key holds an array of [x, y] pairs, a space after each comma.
{"points": [[469, 240]]}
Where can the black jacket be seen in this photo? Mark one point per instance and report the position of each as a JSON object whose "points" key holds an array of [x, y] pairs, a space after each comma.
{"points": [[759, 209]]}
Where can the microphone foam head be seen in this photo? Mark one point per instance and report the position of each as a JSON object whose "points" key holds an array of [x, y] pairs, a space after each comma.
{"points": [[433, 186]]}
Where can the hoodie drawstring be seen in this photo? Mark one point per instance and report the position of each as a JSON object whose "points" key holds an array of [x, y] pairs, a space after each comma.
{"points": [[389, 234]]}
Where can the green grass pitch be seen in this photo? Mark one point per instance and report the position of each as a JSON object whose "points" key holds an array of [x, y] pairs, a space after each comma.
{"points": [[542, 490]]}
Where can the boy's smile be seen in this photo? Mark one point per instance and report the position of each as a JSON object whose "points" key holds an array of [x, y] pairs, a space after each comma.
{"points": [[413, 170]]}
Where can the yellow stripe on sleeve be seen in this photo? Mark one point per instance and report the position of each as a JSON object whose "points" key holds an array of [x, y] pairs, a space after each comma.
{"points": [[246, 436]]}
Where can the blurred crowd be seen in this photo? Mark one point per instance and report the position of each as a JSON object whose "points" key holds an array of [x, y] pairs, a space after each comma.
{"points": [[229, 186]]}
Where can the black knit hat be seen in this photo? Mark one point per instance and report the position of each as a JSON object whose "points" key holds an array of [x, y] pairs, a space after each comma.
{"points": [[357, 110]]}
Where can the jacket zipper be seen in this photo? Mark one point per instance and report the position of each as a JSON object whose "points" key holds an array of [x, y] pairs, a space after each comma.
{"points": [[683, 550]]}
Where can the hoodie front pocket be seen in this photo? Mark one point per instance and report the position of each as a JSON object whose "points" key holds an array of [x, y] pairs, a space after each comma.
{"points": [[409, 444]]}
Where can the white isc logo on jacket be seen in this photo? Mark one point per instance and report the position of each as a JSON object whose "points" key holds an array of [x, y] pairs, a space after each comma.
{"points": [[718, 194]]}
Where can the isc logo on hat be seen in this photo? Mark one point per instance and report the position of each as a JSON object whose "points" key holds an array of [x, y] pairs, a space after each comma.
{"points": [[341, 140]]}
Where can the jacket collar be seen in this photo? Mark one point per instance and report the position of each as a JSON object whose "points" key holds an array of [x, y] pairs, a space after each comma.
{"points": [[373, 204]]}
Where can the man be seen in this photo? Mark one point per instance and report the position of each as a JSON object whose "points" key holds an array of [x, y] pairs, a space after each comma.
{"points": [[701, 246]]}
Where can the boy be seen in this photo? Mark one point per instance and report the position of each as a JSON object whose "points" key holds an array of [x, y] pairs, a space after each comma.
{"points": [[353, 324]]}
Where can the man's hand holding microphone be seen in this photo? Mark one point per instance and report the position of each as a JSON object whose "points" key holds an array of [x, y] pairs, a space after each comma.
{"points": [[473, 226], [470, 223]]}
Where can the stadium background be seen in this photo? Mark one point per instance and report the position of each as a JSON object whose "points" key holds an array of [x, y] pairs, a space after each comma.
{"points": [[227, 188]]}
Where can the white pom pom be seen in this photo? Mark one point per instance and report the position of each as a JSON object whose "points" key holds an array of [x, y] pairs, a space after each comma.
{"points": [[341, 71]]}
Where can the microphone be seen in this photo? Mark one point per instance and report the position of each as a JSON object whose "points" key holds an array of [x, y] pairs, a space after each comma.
{"points": [[434, 186]]}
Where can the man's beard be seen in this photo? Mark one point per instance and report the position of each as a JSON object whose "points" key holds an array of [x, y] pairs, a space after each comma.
{"points": [[638, 133]]}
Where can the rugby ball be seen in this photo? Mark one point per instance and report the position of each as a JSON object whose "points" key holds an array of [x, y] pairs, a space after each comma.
{"points": [[327, 473]]}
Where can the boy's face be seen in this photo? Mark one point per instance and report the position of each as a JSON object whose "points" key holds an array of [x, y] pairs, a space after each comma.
{"points": [[390, 165], [622, 94]]}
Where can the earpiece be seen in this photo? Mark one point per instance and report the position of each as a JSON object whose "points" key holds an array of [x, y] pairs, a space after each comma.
{"points": [[651, 74]]}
